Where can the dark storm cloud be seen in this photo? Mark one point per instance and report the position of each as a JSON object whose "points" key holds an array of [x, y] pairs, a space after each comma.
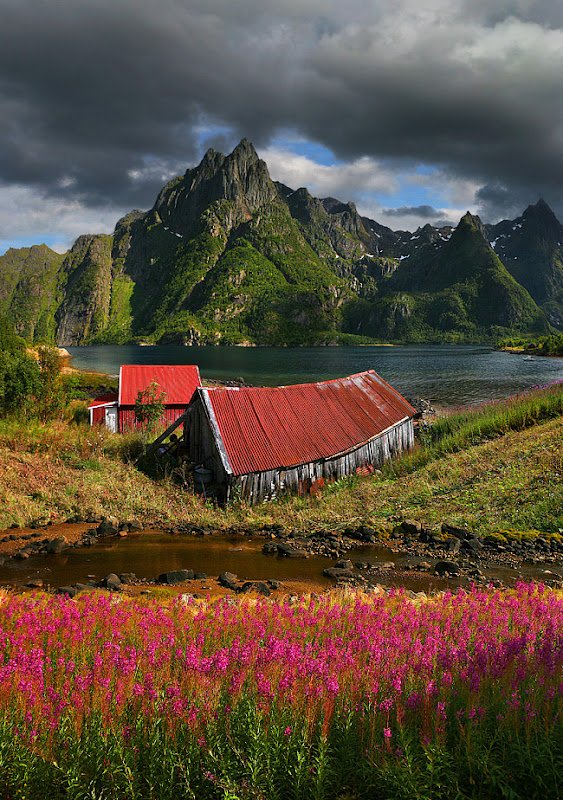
{"points": [[103, 99], [424, 212]]}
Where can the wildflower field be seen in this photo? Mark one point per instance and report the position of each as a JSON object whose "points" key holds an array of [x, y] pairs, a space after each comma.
{"points": [[341, 696]]}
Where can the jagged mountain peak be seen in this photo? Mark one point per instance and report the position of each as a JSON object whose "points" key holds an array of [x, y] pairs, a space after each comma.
{"points": [[245, 150], [542, 214], [240, 179], [542, 206], [227, 252], [469, 224]]}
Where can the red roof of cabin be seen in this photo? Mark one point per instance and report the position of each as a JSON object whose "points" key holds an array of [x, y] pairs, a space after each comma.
{"points": [[177, 381], [267, 428], [103, 400]]}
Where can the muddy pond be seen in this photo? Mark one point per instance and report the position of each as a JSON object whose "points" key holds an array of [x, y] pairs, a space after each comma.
{"points": [[150, 553]]}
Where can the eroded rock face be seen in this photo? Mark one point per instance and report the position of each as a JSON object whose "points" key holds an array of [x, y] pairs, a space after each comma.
{"points": [[87, 271], [240, 181]]}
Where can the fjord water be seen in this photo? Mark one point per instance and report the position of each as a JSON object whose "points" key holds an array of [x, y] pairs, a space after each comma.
{"points": [[443, 374]]}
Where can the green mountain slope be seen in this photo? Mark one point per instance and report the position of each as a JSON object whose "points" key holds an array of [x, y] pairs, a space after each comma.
{"points": [[226, 255], [461, 289], [531, 247], [29, 290]]}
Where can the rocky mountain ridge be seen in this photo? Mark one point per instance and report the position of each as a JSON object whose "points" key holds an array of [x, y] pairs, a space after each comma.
{"points": [[226, 255]]}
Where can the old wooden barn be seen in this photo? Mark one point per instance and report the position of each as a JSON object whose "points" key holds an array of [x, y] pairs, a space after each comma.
{"points": [[255, 443]]}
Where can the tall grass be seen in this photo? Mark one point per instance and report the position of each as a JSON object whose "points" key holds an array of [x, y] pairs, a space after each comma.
{"points": [[349, 696], [460, 430]]}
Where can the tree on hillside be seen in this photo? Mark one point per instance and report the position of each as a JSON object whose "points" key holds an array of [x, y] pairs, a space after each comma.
{"points": [[20, 378], [149, 407], [51, 395]]}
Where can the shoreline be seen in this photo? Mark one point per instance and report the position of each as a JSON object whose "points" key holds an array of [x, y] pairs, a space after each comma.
{"points": [[420, 561], [522, 351]]}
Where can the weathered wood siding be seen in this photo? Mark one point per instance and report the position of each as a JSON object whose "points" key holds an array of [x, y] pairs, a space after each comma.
{"points": [[201, 442], [260, 486]]}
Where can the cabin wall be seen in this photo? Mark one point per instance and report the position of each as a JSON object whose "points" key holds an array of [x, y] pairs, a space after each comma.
{"points": [[259, 486], [201, 443], [98, 415], [127, 421]]}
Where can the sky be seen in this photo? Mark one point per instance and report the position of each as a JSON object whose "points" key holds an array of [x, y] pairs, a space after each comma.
{"points": [[416, 110]]}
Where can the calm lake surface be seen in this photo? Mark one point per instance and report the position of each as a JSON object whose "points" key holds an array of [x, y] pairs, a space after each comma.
{"points": [[443, 374]]}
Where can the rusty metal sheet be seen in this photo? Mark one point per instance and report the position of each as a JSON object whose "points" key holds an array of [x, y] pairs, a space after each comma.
{"points": [[270, 428]]}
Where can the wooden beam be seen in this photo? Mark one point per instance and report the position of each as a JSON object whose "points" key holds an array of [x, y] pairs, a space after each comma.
{"points": [[152, 447]]}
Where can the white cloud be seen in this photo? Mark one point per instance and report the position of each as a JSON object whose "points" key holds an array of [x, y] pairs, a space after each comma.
{"points": [[345, 181], [26, 213]]}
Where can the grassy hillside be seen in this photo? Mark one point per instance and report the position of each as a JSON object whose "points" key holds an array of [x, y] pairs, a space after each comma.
{"points": [[29, 290], [498, 467]]}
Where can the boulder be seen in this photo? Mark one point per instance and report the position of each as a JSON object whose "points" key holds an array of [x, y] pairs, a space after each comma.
{"points": [[288, 551], [70, 591], [474, 545], [107, 526], [453, 545], [229, 580], [344, 564], [454, 530], [111, 582], [127, 577], [256, 586], [57, 545], [176, 576], [412, 527], [200, 576], [449, 567], [270, 548], [337, 574]]}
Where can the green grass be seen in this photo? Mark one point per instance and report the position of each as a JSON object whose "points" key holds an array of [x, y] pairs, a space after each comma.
{"points": [[458, 431], [542, 345], [492, 469]]}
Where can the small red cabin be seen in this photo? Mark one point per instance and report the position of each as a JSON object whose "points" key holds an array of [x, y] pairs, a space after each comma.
{"points": [[177, 382]]}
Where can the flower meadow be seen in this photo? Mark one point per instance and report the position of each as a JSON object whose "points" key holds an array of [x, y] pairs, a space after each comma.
{"points": [[346, 695]]}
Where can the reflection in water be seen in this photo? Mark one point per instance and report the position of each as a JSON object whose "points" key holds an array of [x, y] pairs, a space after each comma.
{"points": [[149, 554]]}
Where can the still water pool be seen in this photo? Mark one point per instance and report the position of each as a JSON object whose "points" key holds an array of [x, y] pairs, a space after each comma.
{"points": [[153, 552]]}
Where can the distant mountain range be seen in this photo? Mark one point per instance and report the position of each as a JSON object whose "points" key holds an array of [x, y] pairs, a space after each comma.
{"points": [[226, 255]]}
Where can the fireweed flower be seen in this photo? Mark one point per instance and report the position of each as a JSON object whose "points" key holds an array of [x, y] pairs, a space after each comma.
{"points": [[384, 660]]}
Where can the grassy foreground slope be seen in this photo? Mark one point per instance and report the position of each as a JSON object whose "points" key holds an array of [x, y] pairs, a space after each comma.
{"points": [[497, 467]]}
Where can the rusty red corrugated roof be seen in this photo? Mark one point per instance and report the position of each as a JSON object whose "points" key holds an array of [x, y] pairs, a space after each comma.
{"points": [[177, 381], [104, 399], [267, 428]]}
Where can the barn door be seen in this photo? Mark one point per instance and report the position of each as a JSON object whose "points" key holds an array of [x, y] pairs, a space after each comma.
{"points": [[111, 419]]}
